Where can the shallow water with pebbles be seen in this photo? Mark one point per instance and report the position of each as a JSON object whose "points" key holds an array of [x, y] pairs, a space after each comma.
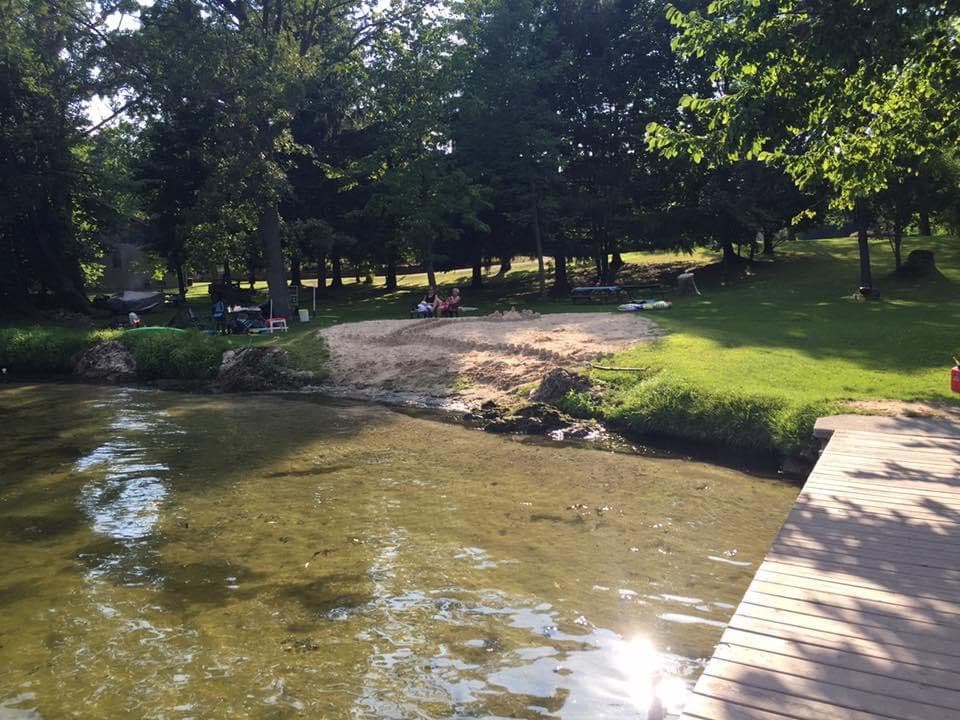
{"points": [[173, 556]]}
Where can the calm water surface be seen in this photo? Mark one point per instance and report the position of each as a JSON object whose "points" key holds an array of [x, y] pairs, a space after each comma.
{"points": [[170, 556]]}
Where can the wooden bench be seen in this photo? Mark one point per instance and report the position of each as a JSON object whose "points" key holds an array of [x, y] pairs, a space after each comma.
{"points": [[638, 291], [599, 292], [615, 293]]}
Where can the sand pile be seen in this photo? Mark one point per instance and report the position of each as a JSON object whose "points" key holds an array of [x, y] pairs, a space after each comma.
{"points": [[474, 359]]}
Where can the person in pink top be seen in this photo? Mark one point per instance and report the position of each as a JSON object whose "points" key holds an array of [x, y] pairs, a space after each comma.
{"points": [[451, 305]]}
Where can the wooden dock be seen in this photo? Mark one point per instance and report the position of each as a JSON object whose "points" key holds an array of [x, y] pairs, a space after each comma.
{"points": [[855, 612]]}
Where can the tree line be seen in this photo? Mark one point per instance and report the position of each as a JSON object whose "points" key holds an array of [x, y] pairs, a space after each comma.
{"points": [[271, 136]]}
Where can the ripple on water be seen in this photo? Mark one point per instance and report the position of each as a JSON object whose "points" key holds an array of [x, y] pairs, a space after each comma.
{"points": [[353, 563]]}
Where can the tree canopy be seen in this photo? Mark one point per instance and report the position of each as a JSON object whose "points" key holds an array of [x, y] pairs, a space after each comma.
{"points": [[273, 135], [856, 95]]}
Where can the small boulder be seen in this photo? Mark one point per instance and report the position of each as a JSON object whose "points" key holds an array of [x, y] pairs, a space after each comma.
{"points": [[109, 361], [252, 369], [556, 384]]}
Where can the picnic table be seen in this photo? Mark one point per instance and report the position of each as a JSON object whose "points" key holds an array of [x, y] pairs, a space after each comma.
{"points": [[599, 292], [241, 320], [646, 289], [615, 293]]}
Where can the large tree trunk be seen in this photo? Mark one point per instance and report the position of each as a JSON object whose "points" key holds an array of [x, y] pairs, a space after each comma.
{"points": [[538, 242], [227, 278], [506, 265], [63, 262], [925, 222], [729, 254], [61, 269], [600, 253], [431, 273], [321, 271], [768, 243], [476, 278], [181, 280], [392, 271], [616, 262], [863, 241], [896, 243], [337, 269], [561, 286], [295, 271], [268, 228]]}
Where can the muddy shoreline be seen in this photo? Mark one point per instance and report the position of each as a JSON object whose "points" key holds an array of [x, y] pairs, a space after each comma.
{"points": [[568, 432], [510, 373]]}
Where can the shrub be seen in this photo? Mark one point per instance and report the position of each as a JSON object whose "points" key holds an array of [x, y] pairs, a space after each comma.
{"points": [[793, 426], [182, 356], [42, 350], [578, 404], [664, 405]]}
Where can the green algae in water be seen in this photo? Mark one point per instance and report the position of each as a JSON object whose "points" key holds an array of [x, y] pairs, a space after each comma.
{"points": [[181, 556]]}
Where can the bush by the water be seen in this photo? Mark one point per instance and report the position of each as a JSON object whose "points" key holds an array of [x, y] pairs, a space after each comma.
{"points": [[579, 404], [664, 405], [44, 350], [181, 356]]}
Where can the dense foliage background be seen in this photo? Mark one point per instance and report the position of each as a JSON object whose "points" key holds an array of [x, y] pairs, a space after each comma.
{"points": [[269, 137]]}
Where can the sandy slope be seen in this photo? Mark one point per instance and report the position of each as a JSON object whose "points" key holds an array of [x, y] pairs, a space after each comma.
{"points": [[474, 359]]}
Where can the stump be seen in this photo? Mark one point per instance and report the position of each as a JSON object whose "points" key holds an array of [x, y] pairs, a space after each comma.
{"points": [[686, 285], [919, 263]]}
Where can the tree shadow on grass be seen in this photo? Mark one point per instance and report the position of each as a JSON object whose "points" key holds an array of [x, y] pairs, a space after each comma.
{"points": [[909, 329]]}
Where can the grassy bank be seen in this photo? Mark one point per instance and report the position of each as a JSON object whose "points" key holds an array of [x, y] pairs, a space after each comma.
{"points": [[750, 364], [764, 352], [754, 363], [47, 349], [44, 349]]}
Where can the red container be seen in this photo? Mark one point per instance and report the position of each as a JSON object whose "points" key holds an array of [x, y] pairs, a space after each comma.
{"points": [[955, 379]]}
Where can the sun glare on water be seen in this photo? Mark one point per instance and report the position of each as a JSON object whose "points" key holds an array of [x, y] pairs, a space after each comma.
{"points": [[649, 689]]}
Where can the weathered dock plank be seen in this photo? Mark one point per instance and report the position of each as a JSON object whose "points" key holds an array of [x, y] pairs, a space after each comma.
{"points": [[855, 612]]}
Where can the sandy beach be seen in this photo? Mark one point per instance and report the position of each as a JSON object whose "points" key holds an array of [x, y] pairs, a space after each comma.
{"points": [[473, 360]]}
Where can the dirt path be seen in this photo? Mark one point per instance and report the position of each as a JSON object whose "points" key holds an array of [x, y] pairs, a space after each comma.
{"points": [[900, 408], [474, 359]]}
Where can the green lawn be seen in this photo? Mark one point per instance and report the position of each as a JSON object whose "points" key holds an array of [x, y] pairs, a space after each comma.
{"points": [[361, 301], [751, 363], [791, 330]]}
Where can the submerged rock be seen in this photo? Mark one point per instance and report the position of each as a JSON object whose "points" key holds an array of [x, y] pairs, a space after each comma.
{"points": [[108, 361], [556, 384], [528, 420], [251, 369]]}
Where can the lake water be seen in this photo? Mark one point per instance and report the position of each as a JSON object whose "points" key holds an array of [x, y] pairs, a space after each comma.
{"points": [[176, 556]]}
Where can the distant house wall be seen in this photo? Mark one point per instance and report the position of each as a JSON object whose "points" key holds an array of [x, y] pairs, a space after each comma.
{"points": [[123, 270]]}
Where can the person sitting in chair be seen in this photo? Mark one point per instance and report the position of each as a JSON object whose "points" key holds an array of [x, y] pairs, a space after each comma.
{"points": [[450, 306], [430, 304]]}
